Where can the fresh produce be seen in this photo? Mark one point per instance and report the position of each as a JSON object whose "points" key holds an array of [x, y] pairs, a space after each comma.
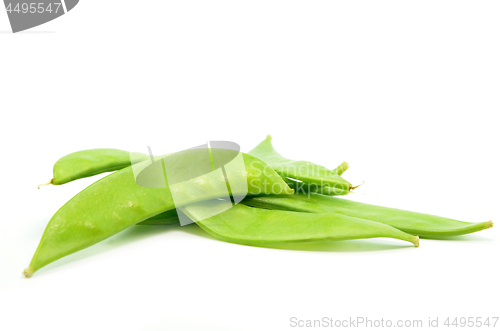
{"points": [[117, 202], [254, 226], [418, 224], [313, 175], [280, 201], [92, 162]]}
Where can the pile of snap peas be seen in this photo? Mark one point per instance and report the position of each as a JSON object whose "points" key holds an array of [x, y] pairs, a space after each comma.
{"points": [[287, 201]]}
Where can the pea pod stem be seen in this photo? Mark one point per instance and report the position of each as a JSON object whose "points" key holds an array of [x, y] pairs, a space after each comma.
{"points": [[355, 187], [341, 168], [45, 184]]}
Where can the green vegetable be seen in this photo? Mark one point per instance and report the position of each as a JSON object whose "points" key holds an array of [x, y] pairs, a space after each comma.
{"points": [[254, 226], [92, 162], [304, 171], [200, 183], [419, 224], [116, 202]]}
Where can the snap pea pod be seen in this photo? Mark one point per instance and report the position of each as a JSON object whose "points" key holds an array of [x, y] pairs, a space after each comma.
{"points": [[170, 217], [116, 202], [302, 170], [419, 224], [92, 162], [254, 226]]}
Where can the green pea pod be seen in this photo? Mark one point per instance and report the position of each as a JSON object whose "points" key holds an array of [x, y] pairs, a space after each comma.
{"points": [[117, 202], [419, 224], [92, 162], [254, 226], [305, 171]]}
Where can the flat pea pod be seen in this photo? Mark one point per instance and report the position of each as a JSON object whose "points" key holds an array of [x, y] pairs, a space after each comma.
{"points": [[419, 224], [92, 162], [305, 171], [254, 226], [116, 202]]}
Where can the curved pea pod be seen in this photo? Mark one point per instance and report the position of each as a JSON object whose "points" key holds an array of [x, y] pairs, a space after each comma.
{"points": [[117, 202], [92, 162], [254, 226], [423, 225], [305, 171]]}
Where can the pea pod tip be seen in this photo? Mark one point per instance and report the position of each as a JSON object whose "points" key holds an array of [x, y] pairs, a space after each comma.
{"points": [[352, 188], [28, 272], [48, 183], [416, 241]]}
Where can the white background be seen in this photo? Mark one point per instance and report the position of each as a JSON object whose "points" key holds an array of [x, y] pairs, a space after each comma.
{"points": [[407, 92]]}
